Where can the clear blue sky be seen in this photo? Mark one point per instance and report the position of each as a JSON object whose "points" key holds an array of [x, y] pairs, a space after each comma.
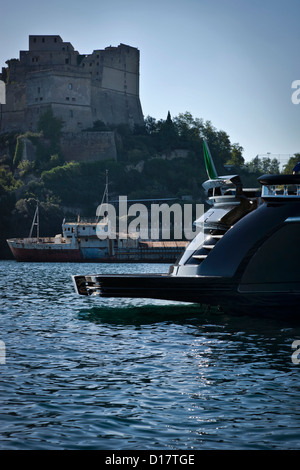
{"points": [[228, 61]]}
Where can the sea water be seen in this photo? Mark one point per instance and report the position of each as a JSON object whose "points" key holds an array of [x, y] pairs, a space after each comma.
{"points": [[89, 373]]}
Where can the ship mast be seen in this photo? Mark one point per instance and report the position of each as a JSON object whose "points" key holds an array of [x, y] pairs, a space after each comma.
{"points": [[106, 188], [35, 222], [105, 194]]}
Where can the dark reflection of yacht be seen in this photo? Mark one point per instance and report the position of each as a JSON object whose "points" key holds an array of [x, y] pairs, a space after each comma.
{"points": [[246, 262]]}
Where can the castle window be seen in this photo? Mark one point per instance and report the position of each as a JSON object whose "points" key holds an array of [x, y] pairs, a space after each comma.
{"points": [[71, 113], [55, 39], [67, 61], [43, 39], [67, 98], [34, 39], [70, 86], [39, 90]]}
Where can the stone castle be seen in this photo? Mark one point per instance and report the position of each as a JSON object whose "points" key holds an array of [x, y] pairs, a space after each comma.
{"points": [[80, 89]]}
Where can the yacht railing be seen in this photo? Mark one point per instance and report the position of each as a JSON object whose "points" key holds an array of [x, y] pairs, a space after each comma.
{"points": [[281, 190]]}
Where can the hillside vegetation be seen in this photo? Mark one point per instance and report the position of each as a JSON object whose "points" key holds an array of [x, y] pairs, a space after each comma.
{"points": [[161, 159]]}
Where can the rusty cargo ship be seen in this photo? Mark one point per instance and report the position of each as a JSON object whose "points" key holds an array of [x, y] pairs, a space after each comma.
{"points": [[79, 242]]}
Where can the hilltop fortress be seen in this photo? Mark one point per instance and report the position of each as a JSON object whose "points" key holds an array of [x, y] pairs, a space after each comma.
{"points": [[80, 89]]}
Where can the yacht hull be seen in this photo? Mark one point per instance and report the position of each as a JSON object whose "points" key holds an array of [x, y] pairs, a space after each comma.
{"points": [[220, 292]]}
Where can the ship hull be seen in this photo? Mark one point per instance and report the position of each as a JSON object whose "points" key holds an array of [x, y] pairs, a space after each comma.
{"points": [[45, 252], [60, 256]]}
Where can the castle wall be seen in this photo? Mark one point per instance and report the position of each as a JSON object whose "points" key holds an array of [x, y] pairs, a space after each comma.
{"points": [[69, 96], [78, 146], [48, 43], [13, 112], [125, 109], [88, 146], [80, 89]]}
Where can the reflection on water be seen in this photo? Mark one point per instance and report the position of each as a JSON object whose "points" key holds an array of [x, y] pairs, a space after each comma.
{"points": [[128, 311], [86, 373]]}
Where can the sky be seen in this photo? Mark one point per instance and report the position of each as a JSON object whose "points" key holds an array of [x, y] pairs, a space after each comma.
{"points": [[230, 62]]}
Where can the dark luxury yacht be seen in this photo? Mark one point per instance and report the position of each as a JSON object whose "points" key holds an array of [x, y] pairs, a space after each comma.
{"points": [[246, 260]]}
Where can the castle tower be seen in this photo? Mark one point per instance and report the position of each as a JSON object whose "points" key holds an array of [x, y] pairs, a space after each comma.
{"points": [[80, 89]]}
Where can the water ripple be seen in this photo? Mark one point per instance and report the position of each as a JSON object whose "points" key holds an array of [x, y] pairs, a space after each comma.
{"points": [[85, 373]]}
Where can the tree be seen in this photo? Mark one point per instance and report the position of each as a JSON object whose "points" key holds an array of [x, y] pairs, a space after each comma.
{"points": [[288, 168], [51, 127], [263, 165], [237, 158], [19, 151], [168, 134], [272, 166], [189, 129], [150, 125]]}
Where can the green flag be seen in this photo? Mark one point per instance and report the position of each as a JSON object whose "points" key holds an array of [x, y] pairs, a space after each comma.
{"points": [[209, 164]]}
